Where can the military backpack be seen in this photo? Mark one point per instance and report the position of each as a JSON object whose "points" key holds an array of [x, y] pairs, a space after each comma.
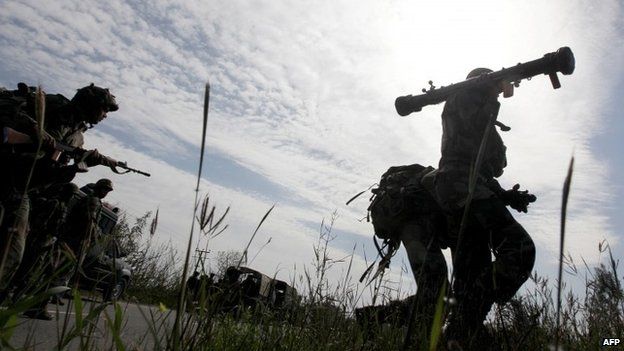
{"points": [[399, 197]]}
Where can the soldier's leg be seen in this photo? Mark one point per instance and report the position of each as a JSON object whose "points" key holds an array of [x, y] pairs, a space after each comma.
{"points": [[428, 266], [13, 232], [513, 249], [471, 264]]}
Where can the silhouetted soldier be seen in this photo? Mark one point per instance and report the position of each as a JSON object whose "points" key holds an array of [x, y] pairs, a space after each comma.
{"points": [[65, 122], [82, 231], [192, 287], [490, 227]]}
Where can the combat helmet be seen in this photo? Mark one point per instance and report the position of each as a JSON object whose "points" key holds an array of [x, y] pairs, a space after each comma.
{"points": [[478, 71], [93, 96], [104, 183]]}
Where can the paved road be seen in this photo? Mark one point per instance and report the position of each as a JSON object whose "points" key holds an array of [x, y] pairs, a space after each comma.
{"points": [[135, 330]]}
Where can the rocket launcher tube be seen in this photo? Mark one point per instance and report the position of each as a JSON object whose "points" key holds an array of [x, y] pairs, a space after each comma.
{"points": [[561, 60]]}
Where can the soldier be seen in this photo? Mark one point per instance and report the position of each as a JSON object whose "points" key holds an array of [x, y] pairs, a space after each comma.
{"points": [[82, 232], [489, 227], [65, 122], [192, 288]]}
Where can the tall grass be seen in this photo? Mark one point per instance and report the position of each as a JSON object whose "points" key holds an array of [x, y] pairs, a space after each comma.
{"points": [[322, 321]]}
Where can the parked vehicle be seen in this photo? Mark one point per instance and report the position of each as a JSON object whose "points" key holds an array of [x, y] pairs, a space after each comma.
{"points": [[249, 287]]}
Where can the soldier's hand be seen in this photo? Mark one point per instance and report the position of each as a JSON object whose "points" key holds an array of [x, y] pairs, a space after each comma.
{"points": [[80, 167], [518, 200], [108, 161], [47, 141]]}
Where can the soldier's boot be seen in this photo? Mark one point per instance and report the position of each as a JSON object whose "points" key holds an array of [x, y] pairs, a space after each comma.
{"points": [[474, 299], [57, 300], [39, 313], [430, 288]]}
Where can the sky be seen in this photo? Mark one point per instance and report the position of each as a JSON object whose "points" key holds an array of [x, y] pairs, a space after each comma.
{"points": [[302, 110]]}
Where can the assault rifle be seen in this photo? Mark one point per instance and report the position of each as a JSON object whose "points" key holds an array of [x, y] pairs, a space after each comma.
{"points": [[78, 153], [561, 60], [10, 136]]}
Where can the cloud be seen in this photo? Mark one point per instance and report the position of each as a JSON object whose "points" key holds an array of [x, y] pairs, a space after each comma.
{"points": [[302, 96]]}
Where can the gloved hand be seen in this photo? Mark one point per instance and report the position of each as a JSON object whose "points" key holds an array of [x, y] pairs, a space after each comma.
{"points": [[518, 200]]}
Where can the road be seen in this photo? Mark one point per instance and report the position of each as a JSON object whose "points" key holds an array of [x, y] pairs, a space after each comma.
{"points": [[136, 331]]}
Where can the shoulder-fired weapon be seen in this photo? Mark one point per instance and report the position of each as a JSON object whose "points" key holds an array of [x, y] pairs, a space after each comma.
{"points": [[561, 60]]}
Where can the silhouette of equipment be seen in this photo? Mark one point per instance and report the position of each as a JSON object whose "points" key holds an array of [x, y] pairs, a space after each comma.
{"points": [[506, 79]]}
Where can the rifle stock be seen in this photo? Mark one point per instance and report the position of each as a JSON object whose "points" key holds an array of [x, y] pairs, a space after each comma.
{"points": [[561, 60]]}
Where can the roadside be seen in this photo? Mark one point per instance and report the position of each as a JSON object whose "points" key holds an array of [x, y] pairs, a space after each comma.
{"points": [[138, 327]]}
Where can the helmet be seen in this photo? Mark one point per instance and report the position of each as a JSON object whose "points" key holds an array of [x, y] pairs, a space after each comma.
{"points": [[478, 71], [92, 96], [104, 183]]}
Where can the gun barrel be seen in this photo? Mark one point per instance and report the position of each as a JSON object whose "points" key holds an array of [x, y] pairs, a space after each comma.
{"points": [[137, 171], [124, 166], [561, 60]]}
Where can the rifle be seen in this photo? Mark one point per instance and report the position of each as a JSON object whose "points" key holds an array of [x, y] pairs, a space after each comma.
{"points": [[561, 60], [12, 137], [77, 152]]}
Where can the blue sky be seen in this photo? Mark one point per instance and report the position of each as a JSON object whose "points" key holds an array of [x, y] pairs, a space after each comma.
{"points": [[302, 109]]}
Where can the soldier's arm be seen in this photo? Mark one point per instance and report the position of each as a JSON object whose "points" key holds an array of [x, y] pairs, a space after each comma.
{"points": [[495, 186], [467, 106], [476, 110]]}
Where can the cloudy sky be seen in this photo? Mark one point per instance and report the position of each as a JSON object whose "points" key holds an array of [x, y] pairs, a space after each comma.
{"points": [[302, 108]]}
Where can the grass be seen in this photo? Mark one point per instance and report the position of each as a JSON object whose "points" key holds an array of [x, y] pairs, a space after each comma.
{"points": [[324, 320]]}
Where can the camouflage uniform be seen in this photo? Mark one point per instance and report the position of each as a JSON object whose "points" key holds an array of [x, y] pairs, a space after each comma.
{"points": [[479, 282]]}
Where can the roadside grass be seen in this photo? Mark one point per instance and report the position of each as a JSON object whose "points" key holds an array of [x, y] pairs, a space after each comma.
{"points": [[324, 319]]}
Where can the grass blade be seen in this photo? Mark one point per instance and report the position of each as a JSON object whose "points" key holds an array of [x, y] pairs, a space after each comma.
{"points": [[244, 255], [564, 209], [175, 334], [438, 320]]}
